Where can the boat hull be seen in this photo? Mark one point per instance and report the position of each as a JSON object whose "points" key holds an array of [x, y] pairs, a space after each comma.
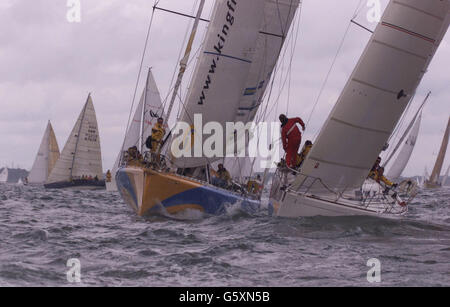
{"points": [[308, 206], [77, 185], [111, 186], [149, 192], [431, 185]]}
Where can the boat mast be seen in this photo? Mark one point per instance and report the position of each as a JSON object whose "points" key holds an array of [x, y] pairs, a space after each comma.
{"points": [[78, 136], [143, 114], [185, 59]]}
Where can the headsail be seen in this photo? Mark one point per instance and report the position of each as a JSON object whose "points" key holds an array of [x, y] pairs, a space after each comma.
{"points": [[403, 157], [46, 157], [150, 107], [223, 67], [81, 155], [377, 93], [153, 108], [434, 178]]}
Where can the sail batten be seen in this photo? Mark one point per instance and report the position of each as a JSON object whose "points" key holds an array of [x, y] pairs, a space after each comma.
{"points": [[377, 93]]}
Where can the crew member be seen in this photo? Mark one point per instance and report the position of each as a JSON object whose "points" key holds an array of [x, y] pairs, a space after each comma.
{"points": [[291, 137]]}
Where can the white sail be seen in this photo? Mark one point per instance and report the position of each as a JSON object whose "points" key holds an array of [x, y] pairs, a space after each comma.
{"points": [[434, 178], [377, 93], [223, 67], [46, 157], [403, 157], [4, 175], [278, 17], [153, 109], [81, 155]]}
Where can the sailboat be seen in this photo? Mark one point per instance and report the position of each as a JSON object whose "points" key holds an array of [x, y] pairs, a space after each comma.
{"points": [[80, 163], [365, 115], [433, 181], [4, 175], [46, 157], [149, 109], [239, 53], [444, 181]]}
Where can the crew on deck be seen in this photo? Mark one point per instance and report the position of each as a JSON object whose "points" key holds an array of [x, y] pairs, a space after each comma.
{"points": [[377, 174], [108, 176], [154, 141], [222, 177], [291, 138], [304, 153], [254, 186]]}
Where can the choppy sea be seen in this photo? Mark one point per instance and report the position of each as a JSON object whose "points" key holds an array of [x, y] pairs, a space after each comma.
{"points": [[40, 230]]}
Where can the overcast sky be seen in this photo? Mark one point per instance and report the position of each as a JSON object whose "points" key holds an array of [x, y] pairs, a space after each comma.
{"points": [[49, 65]]}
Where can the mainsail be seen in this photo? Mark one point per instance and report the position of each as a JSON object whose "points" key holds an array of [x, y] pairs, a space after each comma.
{"points": [[441, 156], [223, 67], [377, 93], [81, 155], [46, 158], [403, 157]]}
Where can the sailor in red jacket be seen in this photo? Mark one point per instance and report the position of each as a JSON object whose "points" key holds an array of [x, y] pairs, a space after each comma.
{"points": [[291, 137]]}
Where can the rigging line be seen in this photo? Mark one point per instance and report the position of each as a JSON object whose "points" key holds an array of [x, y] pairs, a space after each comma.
{"points": [[186, 34], [331, 68], [275, 106], [139, 74]]}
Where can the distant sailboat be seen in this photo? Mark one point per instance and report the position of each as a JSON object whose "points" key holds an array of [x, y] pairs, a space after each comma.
{"points": [[80, 163], [147, 112], [4, 175], [433, 181], [46, 157], [444, 181], [365, 115]]}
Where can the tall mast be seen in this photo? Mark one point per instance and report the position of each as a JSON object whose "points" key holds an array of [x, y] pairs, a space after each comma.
{"points": [[185, 59]]}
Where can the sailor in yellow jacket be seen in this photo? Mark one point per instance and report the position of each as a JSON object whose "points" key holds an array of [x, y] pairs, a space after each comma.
{"points": [[378, 176], [304, 153], [158, 133]]}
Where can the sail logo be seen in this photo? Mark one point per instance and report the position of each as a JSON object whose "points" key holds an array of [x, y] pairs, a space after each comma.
{"points": [[222, 38], [236, 140], [74, 13]]}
